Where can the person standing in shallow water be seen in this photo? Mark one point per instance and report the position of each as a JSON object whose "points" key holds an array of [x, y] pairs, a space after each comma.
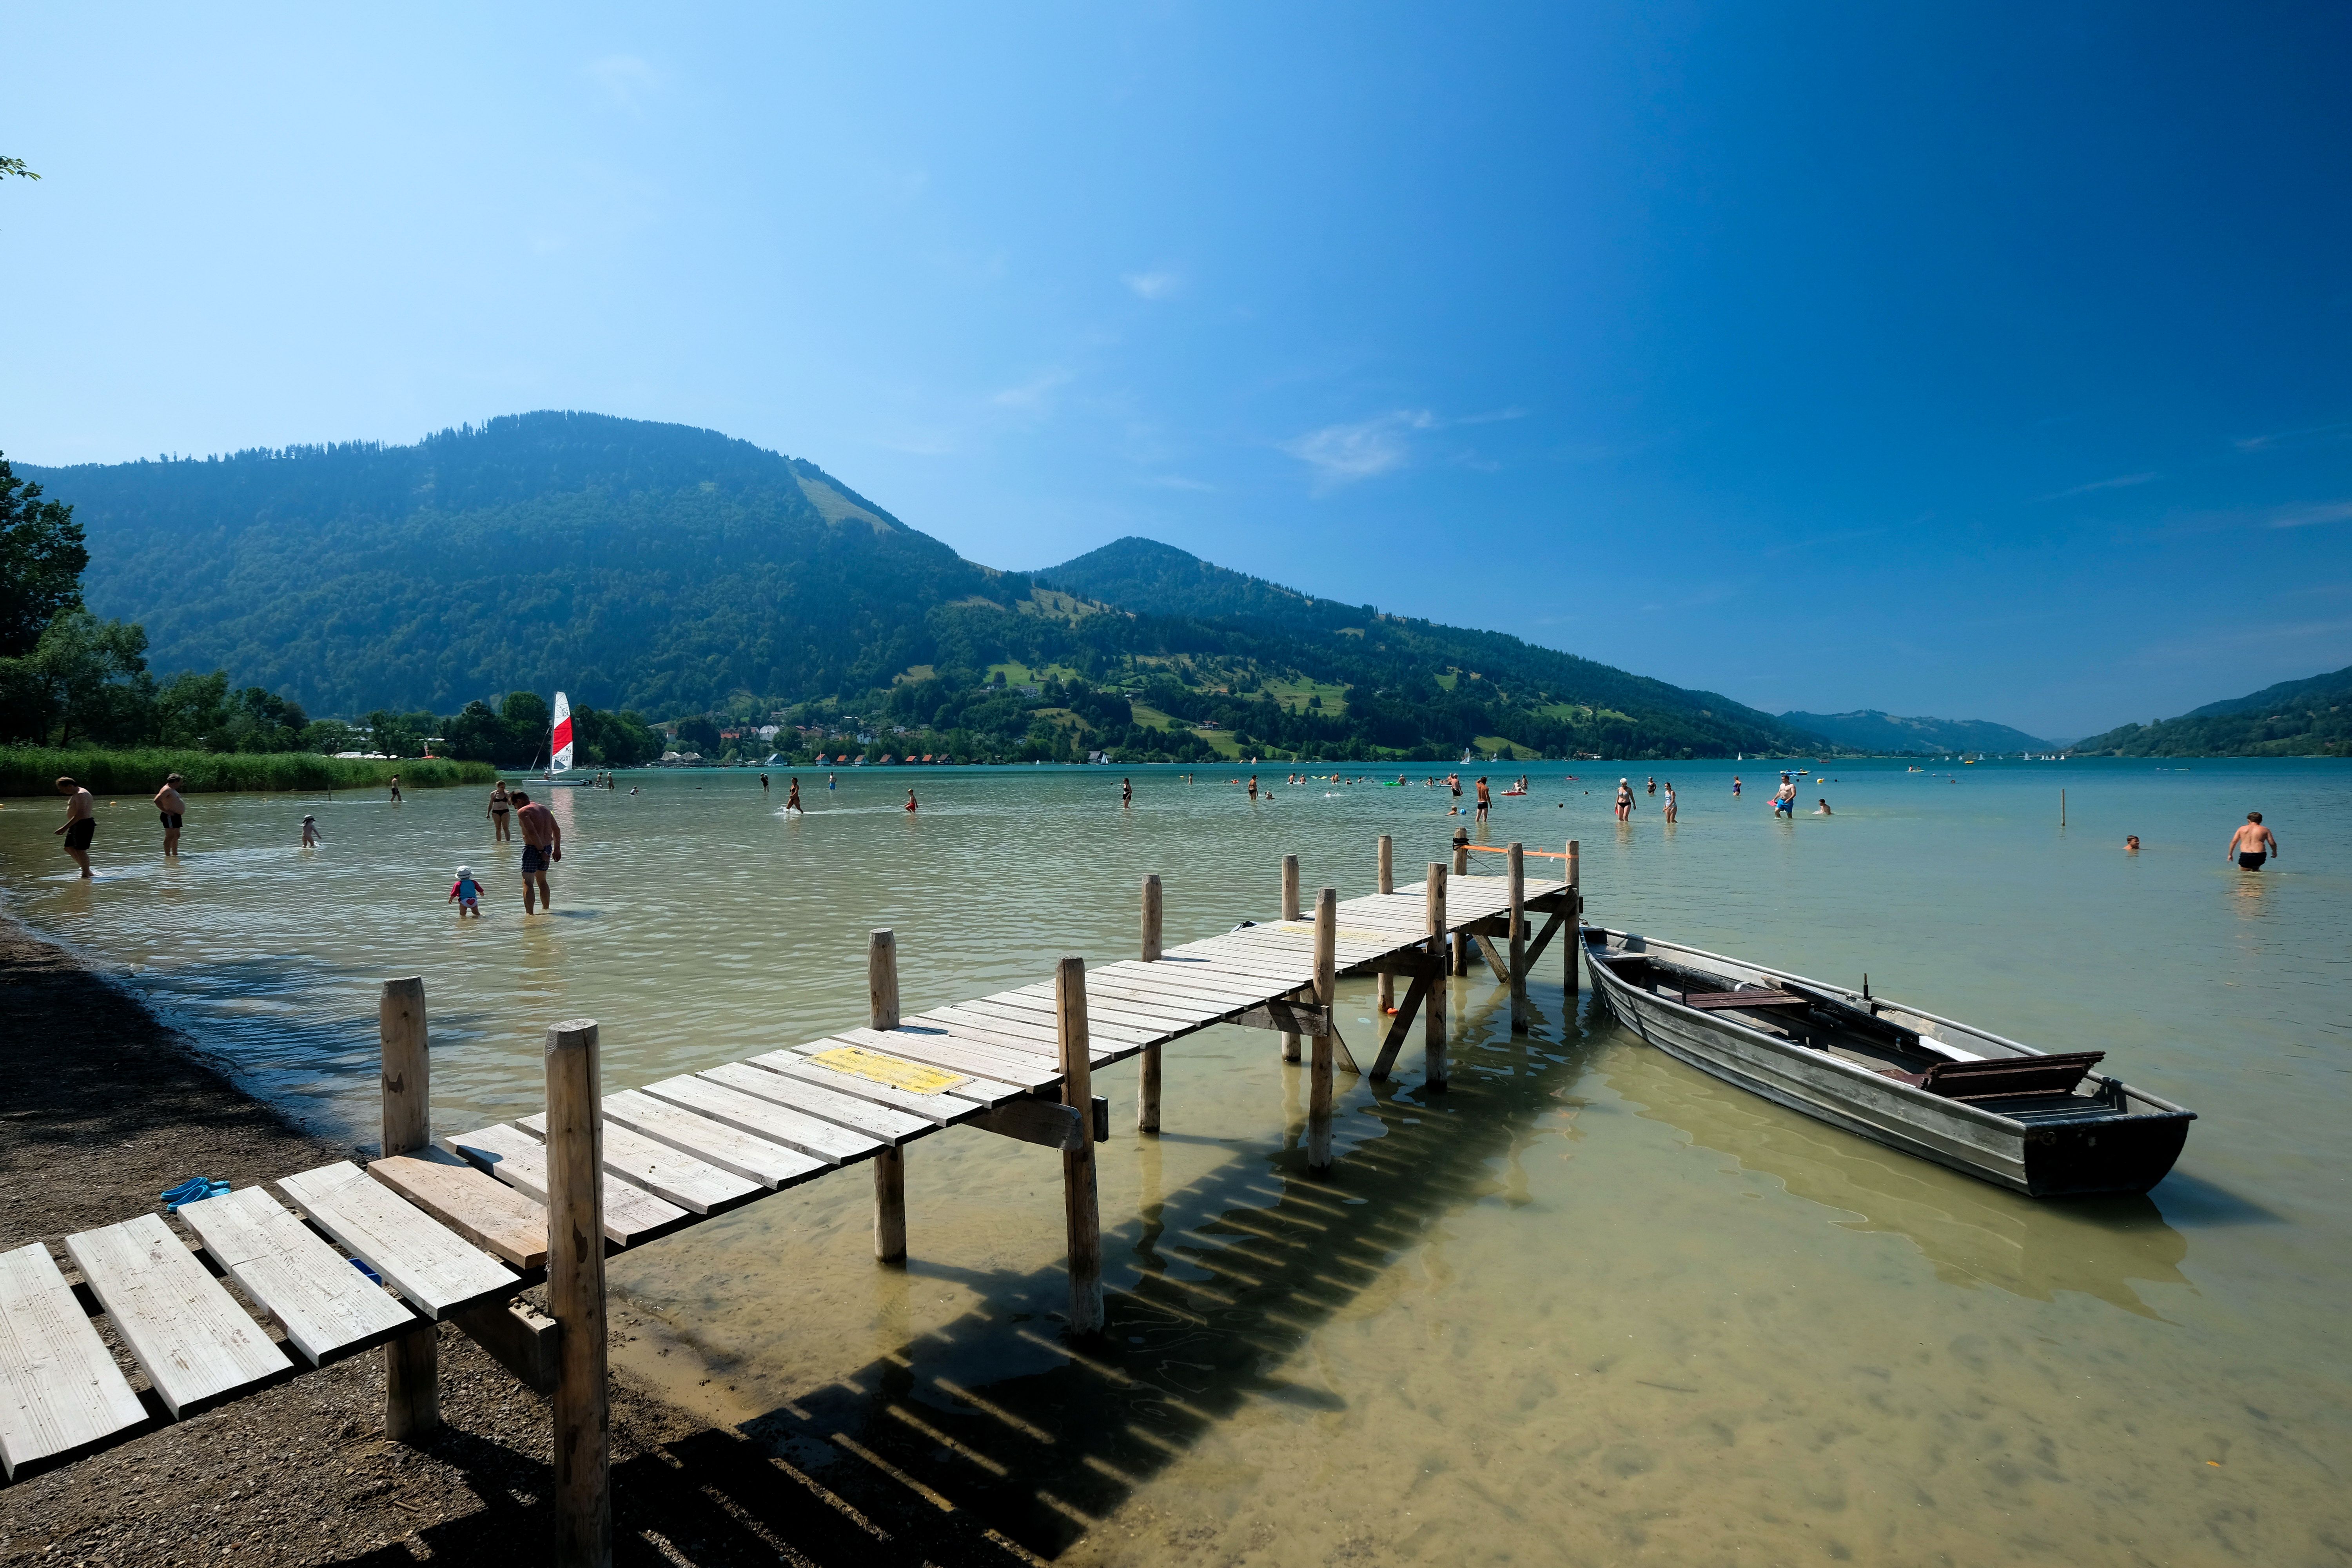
{"points": [[1126, 793], [792, 798], [500, 805], [2252, 844], [542, 846], [81, 822], [174, 811], [395, 789]]}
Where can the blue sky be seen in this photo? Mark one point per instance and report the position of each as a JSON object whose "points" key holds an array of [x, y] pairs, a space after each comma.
{"points": [[1974, 361]]}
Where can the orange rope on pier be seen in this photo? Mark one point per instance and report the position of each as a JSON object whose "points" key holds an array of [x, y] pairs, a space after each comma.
{"points": [[1504, 850]]}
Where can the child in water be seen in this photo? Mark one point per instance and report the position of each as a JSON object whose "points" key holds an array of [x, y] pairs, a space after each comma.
{"points": [[467, 894], [310, 839]]}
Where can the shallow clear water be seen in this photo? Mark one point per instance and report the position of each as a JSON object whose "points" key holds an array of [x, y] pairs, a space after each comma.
{"points": [[1589, 1306]]}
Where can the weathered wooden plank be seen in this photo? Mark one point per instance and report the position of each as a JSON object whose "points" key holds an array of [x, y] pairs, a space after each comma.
{"points": [[436, 1271], [1015, 1004], [1157, 1016], [195, 1344], [912, 1041], [1394, 1040], [1192, 1006], [1015, 1038], [485, 1211], [1039, 1122], [942, 1109], [876, 1122], [666, 1172], [776, 1122], [327, 1308], [59, 1391], [512, 1156], [730, 1149], [1207, 986]]}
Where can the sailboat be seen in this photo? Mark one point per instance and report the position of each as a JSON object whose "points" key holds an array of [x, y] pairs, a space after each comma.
{"points": [[559, 746]]}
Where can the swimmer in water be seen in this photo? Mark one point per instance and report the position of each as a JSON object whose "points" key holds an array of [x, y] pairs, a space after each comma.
{"points": [[792, 798], [2253, 844], [1822, 808], [911, 801], [2131, 844], [1126, 793]]}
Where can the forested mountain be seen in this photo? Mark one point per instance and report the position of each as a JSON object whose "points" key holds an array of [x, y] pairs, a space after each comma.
{"points": [[2311, 718], [1868, 730], [687, 575]]}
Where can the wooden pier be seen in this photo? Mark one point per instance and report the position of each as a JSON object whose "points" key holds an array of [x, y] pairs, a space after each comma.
{"points": [[453, 1227]]}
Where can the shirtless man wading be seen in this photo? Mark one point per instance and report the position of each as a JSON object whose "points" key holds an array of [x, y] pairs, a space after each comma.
{"points": [[2252, 844], [81, 822], [542, 846], [174, 811]]}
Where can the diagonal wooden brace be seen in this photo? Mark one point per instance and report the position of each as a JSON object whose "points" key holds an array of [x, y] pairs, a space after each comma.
{"points": [[1290, 1017], [1405, 1013], [1494, 956], [1543, 939]]}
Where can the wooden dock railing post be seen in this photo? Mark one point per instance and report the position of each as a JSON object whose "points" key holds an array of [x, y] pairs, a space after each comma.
{"points": [[575, 1296], [1520, 1009], [1319, 1072], [1433, 1010], [1575, 928], [1147, 1087], [890, 1165], [1080, 1200], [412, 1364], [1290, 912], [1387, 885], [1461, 869]]}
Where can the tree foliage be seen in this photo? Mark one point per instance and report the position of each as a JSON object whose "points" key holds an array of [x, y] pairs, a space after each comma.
{"points": [[41, 561]]}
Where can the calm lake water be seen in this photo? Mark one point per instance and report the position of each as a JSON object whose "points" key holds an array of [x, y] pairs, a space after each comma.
{"points": [[1589, 1306]]}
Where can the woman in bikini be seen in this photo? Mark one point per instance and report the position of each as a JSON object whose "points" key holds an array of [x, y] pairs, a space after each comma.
{"points": [[499, 806]]}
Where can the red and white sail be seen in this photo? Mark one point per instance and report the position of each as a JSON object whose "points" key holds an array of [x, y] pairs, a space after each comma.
{"points": [[558, 741]]}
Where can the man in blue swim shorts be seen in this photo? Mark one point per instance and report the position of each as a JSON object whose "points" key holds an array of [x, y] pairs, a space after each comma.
{"points": [[542, 846]]}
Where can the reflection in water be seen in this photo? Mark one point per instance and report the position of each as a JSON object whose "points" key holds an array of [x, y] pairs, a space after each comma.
{"points": [[1525, 1319], [1972, 1231]]}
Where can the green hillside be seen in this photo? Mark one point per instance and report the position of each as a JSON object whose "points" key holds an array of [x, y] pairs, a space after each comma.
{"points": [[2311, 718], [705, 582], [1868, 730]]}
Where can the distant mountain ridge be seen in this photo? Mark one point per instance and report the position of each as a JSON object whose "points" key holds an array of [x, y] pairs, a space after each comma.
{"points": [[1868, 730], [682, 573], [2307, 718]]}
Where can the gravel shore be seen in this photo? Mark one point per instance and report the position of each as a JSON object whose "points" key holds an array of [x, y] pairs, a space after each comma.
{"points": [[101, 1107]]}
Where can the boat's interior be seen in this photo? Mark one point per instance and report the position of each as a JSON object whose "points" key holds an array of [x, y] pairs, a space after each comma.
{"points": [[2027, 1086]]}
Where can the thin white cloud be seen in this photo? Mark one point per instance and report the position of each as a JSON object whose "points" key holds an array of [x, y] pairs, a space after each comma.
{"points": [[1348, 453], [2336, 431], [1156, 285], [2120, 482], [2311, 516], [1178, 482], [629, 81], [1033, 392]]}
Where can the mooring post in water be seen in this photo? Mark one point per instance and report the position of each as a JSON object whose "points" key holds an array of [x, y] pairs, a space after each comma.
{"points": [[1147, 1096], [1079, 1200], [1575, 926], [2062, 808], [1461, 869], [1290, 912], [575, 1296], [1517, 859], [1319, 1071], [412, 1364], [1388, 982], [1432, 1009], [890, 1165]]}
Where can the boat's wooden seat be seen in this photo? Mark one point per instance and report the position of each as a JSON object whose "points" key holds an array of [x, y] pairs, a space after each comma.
{"points": [[2004, 1077], [1713, 1001]]}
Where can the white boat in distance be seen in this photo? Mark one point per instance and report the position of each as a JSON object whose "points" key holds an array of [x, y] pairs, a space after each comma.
{"points": [[559, 746]]}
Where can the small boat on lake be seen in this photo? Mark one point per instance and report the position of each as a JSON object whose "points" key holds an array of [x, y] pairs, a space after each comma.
{"points": [[2042, 1124]]}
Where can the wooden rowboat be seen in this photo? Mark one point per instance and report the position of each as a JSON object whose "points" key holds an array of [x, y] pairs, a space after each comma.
{"points": [[2046, 1125]]}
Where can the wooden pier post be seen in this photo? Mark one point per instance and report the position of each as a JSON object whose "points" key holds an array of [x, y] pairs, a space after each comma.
{"points": [[412, 1364], [1147, 1088], [890, 1165], [1387, 885], [1319, 1072], [1574, 930], [575, 1296], [1290, 912], [1517, 860], [1462, 869], [1080, 1201], [1432, 1009]]}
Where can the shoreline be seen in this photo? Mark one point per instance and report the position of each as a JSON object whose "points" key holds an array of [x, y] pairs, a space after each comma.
{"points": [[101, 1107]]}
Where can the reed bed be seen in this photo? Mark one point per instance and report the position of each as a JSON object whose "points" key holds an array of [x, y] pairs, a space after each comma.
{"points": [[34, 770]]}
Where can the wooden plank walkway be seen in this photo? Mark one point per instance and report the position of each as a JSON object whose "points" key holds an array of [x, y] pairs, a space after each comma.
{"points": [[457, 1229]]}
